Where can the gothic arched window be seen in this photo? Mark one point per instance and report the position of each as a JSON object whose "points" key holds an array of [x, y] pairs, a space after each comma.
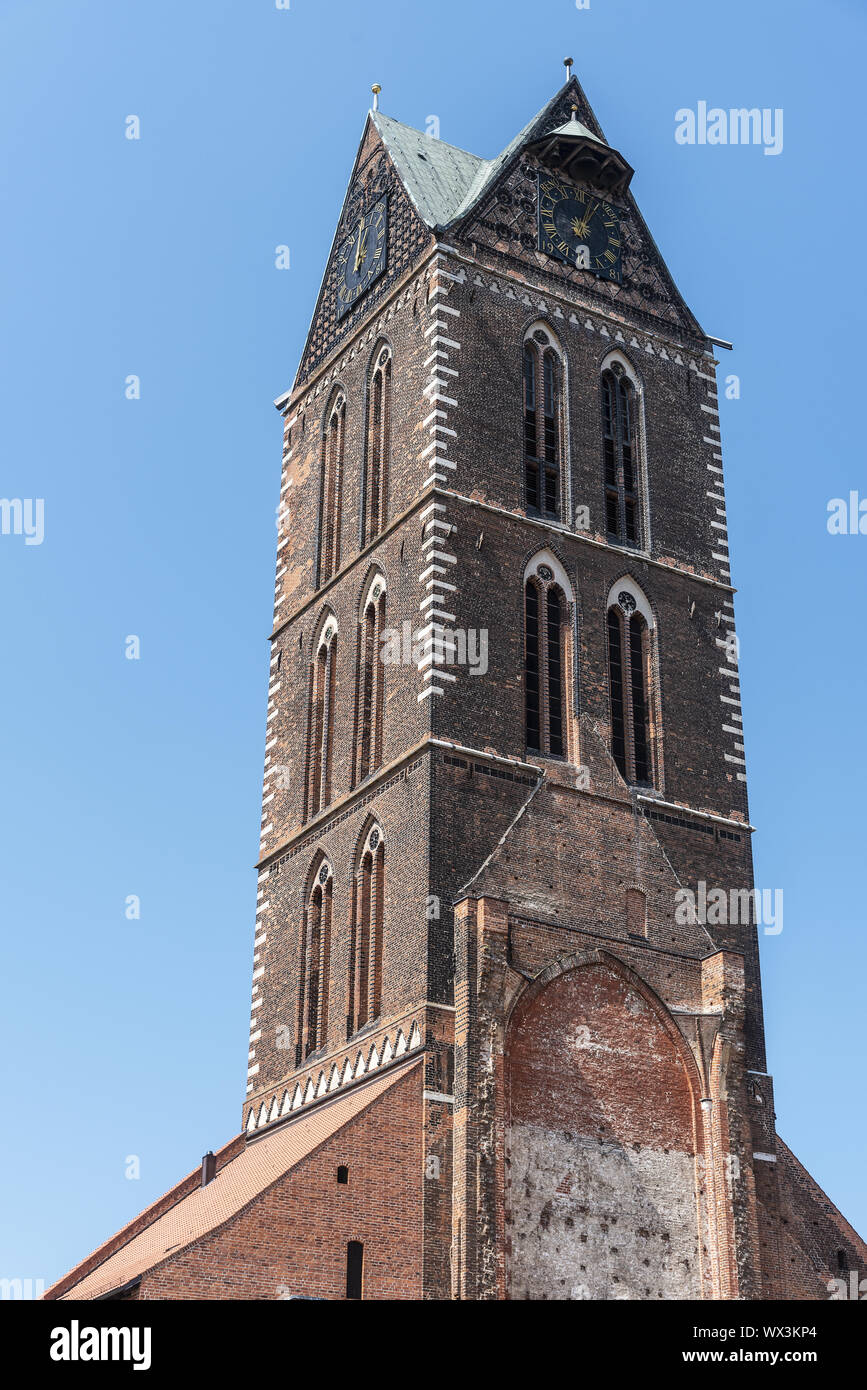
{"points": [[370, 683], [320, 719], [630, 684], [620, 449], [378, 446], [312, 1029], [543, 390], [331, 486], [365, 951], [547, 661]]}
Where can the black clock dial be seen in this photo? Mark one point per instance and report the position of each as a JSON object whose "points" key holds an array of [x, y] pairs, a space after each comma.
{"points": [[361, 257], [579, 227]]}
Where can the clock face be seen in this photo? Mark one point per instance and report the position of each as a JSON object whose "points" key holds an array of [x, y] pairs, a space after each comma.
{"points": [[579, 227], [361, 257]]}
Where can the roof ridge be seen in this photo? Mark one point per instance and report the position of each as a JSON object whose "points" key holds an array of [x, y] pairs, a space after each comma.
{"points": [[495, 166]]}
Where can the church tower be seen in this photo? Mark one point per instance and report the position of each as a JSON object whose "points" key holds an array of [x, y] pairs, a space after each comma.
{"points": [[506, 1021]]}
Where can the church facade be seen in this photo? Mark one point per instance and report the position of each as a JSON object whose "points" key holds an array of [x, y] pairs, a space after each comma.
{"points": [[506, 1030]]}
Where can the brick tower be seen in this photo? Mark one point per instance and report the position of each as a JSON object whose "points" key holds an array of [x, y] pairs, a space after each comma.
{"points": [[506, 1027]]}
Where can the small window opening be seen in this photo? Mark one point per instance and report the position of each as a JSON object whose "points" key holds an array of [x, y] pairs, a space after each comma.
{"points": [[354, 1269], [342, 1174]]}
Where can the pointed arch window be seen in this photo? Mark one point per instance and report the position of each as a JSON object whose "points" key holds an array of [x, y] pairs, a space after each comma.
{"points": [[543, 389], [378, 444], [331, 487], [620, 449], [630, 682], [312, 1029], [370, 683], [365, 960], [547, 662], [320, 722]]}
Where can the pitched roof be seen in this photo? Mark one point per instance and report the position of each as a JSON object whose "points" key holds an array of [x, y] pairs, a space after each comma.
{"points": [[260, 1164], [445, 182], [796, 1174], [435, 175], [494, 167]]}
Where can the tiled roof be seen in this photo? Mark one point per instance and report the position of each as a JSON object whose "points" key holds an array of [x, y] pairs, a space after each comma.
{"points": [[260, 1164]]}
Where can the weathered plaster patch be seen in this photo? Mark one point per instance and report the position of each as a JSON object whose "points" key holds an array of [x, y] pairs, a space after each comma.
{"points": [[593, 1219]]}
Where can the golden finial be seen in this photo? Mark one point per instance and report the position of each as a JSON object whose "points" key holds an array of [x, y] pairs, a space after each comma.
{"points": [[376, 89]]}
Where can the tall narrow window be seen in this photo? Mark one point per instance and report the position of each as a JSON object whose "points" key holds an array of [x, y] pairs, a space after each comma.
{"points": [[370, 686], [378, 443], [554, 616], [542, 372], [547, 650], [615, 684], [320, 737], [355, 1269], [331, 488], [312, 1028], [530, 420], [531, 665], [638, 689], [365, 950], [620, 456], [630, 685]]}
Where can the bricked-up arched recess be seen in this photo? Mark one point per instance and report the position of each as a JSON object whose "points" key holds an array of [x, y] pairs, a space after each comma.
{"points": [[369, 682], [377, 439], [320, 716], [366, 931], [331, 484], [548, 658], [633, 688], [543, 385], [603, 1116], [315, 961]]}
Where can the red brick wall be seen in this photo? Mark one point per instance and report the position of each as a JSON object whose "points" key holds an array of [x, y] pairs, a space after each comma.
{"points": [[293, 1238], [813, 1236]]}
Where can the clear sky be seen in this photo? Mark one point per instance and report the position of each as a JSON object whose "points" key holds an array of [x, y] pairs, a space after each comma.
{"points": [[156, 258]]}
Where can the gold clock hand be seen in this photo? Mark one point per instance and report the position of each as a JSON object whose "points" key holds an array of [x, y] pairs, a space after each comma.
{"points": [[358, 248], [581, 226]]}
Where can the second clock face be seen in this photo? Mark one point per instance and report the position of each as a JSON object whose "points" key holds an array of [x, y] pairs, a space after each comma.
{"points": [[361, 257], [579, 227]]}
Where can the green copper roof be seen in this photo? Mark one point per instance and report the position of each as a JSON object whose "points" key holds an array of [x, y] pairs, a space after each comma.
{"points": [[574, 127], [435, 175]]}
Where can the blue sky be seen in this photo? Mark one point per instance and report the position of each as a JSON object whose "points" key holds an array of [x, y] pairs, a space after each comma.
{"points": [[155, 257]]}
